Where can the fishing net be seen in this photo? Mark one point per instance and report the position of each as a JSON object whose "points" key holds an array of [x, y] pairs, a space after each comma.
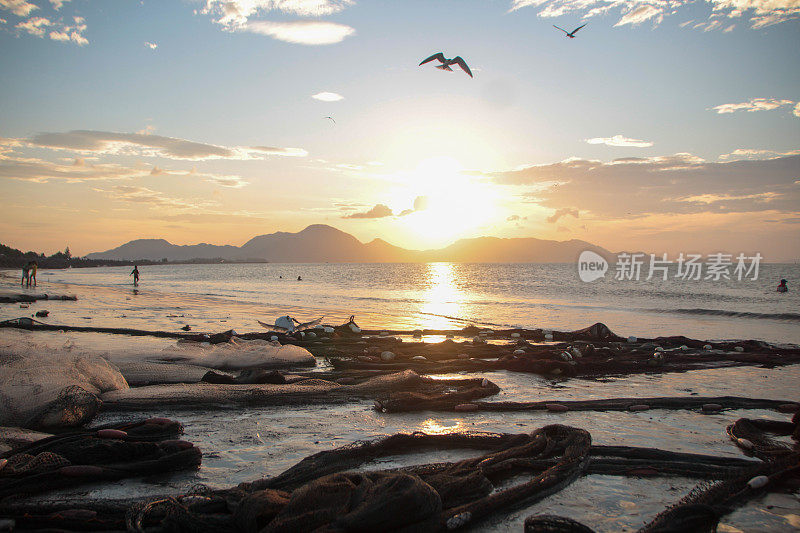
{"points": [[45, 387], [101, 454], [294, 391], [324, 491], [238, 354]]}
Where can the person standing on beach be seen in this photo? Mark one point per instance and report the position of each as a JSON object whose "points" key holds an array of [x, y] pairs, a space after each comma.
{"points": [[135, 274], [28, 273]]}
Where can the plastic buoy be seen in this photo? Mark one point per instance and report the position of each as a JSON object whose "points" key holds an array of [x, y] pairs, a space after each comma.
{"points": [[548, 336], [708, 347], [515, 335], [519, 352], [388, 356], [683, 347], [639, 407], [111, 434], [465, 407], [556, 407], [327, 329], [758, 482], [419, 358], [739, 349]]}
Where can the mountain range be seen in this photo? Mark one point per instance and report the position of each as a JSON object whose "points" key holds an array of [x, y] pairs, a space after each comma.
{"points": [[320, 243]]}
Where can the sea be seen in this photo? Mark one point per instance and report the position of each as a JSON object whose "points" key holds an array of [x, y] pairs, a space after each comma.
{"points": [[216, 297]]}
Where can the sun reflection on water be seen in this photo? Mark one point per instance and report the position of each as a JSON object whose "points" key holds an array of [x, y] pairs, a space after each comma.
{"points": [[435, 427], [443, 298]]}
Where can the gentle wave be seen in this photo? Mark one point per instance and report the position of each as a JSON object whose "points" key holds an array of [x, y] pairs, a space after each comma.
{"points": [[795, 317]]}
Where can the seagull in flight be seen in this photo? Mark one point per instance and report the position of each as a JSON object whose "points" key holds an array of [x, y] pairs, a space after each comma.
{"points": [[570, 34], [445, 63], [331, 119]]}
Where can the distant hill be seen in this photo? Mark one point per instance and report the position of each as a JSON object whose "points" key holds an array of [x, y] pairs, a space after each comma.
{"points": [[320, 243]]}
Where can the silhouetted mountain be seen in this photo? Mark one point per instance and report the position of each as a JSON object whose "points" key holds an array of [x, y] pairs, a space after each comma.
{"points": [[157, 249], [320, 243]]}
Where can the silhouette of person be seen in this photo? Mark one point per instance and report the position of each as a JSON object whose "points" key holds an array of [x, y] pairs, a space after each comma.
{"points": [[135, 274], [29, 273], [782, 287]]}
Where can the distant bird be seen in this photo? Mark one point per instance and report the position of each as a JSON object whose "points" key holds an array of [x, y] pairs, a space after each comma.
{"points": [[571, 34], [331, 119], [445, 63]]}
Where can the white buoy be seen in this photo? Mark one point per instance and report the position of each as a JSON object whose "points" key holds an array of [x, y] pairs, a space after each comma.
{"points": [[419, 358], [739, 349], [758, 482], [328, 329], [548, 336], [354, 328], [515, 335], [387, 356], [659, 348], [519, 352]]}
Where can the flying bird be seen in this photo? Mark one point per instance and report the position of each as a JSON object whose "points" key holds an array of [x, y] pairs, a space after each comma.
{"points": [[570, 34], [331, 119], [445, 63]]}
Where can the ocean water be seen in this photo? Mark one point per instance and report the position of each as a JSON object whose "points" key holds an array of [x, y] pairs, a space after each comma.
{"points": [[432, 295]]}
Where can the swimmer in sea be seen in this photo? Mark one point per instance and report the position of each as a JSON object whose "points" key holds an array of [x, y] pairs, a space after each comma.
{"points": [[135, 274]]}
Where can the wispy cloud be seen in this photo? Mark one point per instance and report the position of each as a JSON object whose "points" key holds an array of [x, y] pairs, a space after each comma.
{"points": [[761, 13], [41, 171], [145, 195], [378, 211], [327, 97], [302, 31], [754, 104], [564, 211], [20, 8], [620, 140], [105, 142], [660, 185], [751, 153]]}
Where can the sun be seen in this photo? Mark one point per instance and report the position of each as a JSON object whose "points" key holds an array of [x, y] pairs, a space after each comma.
{"points": [[449, 202]]}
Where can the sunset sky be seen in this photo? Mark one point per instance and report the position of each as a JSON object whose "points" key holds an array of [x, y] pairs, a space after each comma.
{"points": [[665, 126]]}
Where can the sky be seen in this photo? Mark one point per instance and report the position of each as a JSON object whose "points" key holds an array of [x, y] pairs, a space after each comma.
{"points": [[665, 126]]}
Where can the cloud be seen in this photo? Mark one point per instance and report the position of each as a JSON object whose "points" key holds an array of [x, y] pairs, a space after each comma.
{"points": [[761, 13], [796, 111], [151, 46], [36, 26], [619, 140], [639, 14], [301, 32], [143, 144], [754, 104], [41, 171], [378, 211], [327, 97], [659, 185], [58, 4], [514, 218], [20, 8], [237, 12], [562, 213], [145, 195], [750, 153]]}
